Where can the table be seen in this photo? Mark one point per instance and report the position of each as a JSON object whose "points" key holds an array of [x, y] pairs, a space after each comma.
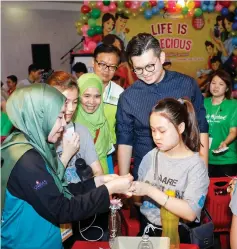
{"points": [[105, 245]]}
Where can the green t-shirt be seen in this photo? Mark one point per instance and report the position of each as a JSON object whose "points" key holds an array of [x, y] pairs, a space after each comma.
{"points": [[221, 118], [6, 124]]}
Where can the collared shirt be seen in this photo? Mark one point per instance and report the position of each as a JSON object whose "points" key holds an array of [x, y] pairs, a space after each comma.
{"points": [[25, 82], [135, 105]]}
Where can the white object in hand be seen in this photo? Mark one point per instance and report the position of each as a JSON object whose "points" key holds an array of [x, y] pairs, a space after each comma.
{"points": [[220, 150]]}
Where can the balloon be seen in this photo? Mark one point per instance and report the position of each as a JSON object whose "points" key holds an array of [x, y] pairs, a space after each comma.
{"points": [[86, 2], [95, 13], [92, 5], [119, 10], [191, 13], [112, 7], [106, 2], [234, 26], [185, 10], [84, 18], [191, 5], [197, 12], [84, 30], [105, 9], [153, 3], [231, 8], [120, 3], [127, 12], [146, 5], [225, 3], [218, 7], [234, 41], [78, 24], [206, 2], [224, 11], [210, 8], [128, 4], [91, 46], [91, 32], [92, 22], [204, 7], [148, 14], [197, 4], [99, 4], [85, 9], [160, 4], [98, 30], [141, 10], [155, 10]]}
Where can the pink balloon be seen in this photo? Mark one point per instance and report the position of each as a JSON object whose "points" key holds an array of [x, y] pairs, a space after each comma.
{"points": [[112, 7], [134, 7], [84, 30], [91, 46], [218, 7], [105, 9], [99, 4], [86, 2]]}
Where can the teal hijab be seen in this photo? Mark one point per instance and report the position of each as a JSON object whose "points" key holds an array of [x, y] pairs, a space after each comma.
{"points": [[33, 110]]}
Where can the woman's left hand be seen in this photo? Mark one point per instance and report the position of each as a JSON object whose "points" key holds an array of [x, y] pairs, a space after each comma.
{"points": [[222, 145]]}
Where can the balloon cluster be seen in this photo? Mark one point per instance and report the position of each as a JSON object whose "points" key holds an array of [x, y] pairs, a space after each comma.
{"points": [[92, 10]]}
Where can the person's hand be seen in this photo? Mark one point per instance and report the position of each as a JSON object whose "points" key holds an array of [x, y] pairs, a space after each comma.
{"points": [[72, 145], [141, 188], [121, 185], [222, 145], [70, 148], [231, 186], [102, 179]]}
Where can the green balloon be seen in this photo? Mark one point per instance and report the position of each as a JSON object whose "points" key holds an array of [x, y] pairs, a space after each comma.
{"points": [[185, 10], [92, 22], [106, 2], [95, 13], [198, 12], [120, 4], [98, 30], [91, 32]]}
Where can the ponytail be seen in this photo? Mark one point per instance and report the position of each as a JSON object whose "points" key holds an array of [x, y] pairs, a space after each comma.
{"points": [[191, 134], [178, 111]]}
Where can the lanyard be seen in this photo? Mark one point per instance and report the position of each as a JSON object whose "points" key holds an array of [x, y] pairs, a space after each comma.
{"points": [[108, 93]]}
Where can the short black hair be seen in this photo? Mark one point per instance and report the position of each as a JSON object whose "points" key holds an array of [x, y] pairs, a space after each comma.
{"points": [[33, 68], [13, 78], [109, 49], [215, 59], [121, 15], [80, 67], [106, 17], [208, 43], [142, 43]]}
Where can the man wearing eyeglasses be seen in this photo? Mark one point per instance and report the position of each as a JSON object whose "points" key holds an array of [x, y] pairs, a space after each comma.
{"points": [[135, 104], [106, 62]]}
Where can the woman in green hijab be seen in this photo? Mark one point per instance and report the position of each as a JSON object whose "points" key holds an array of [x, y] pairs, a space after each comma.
{"points": [[35, 196], [91, 114]]}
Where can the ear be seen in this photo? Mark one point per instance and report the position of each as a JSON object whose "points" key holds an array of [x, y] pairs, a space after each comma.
{"points": [[162, 57], [93, 62], [181, 128]]}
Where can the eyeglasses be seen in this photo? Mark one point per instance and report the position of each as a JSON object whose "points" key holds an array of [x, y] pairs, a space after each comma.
{"points": [[104, 66], [149, 68]]}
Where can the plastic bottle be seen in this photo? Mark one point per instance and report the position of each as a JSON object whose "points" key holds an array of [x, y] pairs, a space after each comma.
{"points": [[170, 224], [83, 170], [145, 243]]}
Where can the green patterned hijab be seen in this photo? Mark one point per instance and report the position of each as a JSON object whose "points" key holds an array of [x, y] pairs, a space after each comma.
{"points": [[33, 110], [95, 121]]}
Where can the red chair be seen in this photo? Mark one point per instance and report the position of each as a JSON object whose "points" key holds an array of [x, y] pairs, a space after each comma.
{"points": [[217, 203]]}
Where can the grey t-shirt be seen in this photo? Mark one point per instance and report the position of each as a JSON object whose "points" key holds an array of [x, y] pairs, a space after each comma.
{"points": [[187, 176], [233, 203], [87, 152]]}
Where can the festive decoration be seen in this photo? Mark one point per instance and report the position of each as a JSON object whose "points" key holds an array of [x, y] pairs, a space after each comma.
{"points": [[91, 11]]}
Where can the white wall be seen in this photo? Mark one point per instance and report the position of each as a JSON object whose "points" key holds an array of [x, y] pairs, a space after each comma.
{"points": [[26, 23]]}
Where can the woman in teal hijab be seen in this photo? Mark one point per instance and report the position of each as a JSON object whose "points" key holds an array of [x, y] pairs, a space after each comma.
{"points": [[91, 114], [35, 197]]}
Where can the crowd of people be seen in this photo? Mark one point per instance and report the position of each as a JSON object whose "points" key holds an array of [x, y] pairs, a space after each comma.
{"points": [[177, 138]]}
